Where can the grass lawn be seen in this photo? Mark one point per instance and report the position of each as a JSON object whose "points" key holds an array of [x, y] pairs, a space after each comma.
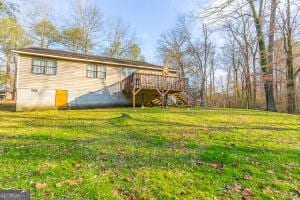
{"points": [[151, 154]]}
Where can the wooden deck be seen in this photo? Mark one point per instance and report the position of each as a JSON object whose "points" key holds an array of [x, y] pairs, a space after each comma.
{"points": [[164, 85], [153, 81]]}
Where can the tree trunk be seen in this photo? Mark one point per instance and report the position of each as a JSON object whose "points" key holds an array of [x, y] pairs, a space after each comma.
{"points": [[181, 69], [236, 86], [202, 93], [289, 63], [271, 99], [254, 79], [290, 84], [264, 61], [7, 78], [227, 87]]}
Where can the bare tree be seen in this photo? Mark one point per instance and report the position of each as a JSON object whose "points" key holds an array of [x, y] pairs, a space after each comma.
{"points": [[7, 9], [201, 52], [89, 19], [241, 33], [45, 33], [71, 38], [12, 35], [270, 87], [288, 26], [212, 72], [227, 10], [119, 38], [232, 58], [193, 56], [172, 47]]}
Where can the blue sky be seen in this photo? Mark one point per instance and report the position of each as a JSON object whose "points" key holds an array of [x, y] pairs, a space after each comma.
{"points": [[149, 18]]}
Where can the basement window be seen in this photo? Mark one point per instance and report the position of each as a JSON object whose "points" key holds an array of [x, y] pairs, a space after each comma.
{"points": [[43, 66], [96, 71]]}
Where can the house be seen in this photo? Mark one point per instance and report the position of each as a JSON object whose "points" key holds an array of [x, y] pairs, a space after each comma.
{"points": [[49, 78]]}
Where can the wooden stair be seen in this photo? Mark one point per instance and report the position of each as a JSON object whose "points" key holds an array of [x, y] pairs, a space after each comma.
{"points": [[154, 102], [185, 99]]}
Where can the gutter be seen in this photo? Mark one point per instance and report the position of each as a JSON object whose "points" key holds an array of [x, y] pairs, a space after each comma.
{"points": [[89, 60]]}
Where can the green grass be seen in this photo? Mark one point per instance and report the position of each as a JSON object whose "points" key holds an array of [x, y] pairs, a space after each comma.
{"points": [[151, 154]]}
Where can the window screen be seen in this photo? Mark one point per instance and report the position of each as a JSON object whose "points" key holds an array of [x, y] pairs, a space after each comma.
{"points": [[96, 71], [43, 66]]}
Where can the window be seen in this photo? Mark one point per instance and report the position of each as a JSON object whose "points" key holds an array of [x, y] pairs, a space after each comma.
{"points": [[42, 66], [96, 71]]}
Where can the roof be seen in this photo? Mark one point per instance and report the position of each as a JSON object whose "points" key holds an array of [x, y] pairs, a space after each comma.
{"points": [[53, 53]]}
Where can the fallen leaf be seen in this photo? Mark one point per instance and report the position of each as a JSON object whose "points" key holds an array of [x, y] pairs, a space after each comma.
{"points": [[121, 152], [280, 192], [130, 179], [76, 164], [297, 190], [267, 190], [71, 182], [74, 182], [117, 192], [247, 177], [214, 164], [60, 184], [115, 170], [247, 193], [20, 147], [227, 187], [39, 186], [199, 162], [130, 197], [270, 171], [237, 188], [255, 163]]}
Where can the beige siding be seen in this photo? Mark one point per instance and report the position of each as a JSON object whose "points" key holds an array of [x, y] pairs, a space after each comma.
{"points": [[36, 91], [70, 76]]}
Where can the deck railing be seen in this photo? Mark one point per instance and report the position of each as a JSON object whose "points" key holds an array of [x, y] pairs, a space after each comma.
{"points": [[153, 81]]}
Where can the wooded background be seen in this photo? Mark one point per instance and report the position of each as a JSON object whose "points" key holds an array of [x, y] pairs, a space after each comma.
{"points": [[236, 53]]}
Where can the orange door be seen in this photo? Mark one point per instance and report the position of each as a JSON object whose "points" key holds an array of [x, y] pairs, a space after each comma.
{"points": [[61, 98]]}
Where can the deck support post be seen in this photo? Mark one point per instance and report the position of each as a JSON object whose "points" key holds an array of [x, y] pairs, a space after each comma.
{"points": [[163, 84], [133, 98], [163, 96], [142, 106], [134, 93], [166, 100]]}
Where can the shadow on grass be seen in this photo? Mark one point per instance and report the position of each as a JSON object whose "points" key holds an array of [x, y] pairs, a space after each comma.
{"points": [[151, 149], [133, 124], [119, 122], [128, 144], [137, 145], [134, 150], [7, 106]]}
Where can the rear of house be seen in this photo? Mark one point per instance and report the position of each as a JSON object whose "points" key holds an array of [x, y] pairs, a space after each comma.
{"points": [[53, 78]]}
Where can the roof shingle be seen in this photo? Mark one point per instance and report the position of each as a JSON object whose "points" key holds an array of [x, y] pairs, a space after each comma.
{"points": [[66, 54]]}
